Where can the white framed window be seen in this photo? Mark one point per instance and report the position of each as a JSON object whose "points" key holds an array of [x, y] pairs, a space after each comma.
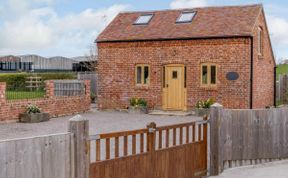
{"points": [[142, 76], [260, 41], [208, 74]]}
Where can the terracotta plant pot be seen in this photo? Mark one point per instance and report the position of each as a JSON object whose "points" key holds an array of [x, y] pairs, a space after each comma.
{"points": [[34, 117], [138, 110]]}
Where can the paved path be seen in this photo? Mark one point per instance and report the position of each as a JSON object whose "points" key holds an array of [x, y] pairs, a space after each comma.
{"points": [[278, 169], [100, 122]]}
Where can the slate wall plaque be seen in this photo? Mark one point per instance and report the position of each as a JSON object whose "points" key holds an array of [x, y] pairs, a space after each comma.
{"points": [[232, 76]]}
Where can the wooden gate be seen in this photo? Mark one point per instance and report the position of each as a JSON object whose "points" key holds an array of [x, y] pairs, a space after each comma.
{"points": [[162, 152]]}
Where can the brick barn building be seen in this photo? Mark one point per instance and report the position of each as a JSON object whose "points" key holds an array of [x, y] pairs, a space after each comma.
{"points": [[174, 58]]}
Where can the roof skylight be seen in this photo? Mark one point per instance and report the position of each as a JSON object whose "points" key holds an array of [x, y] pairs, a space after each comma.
{"points": [[143, 19], [186, 17]]}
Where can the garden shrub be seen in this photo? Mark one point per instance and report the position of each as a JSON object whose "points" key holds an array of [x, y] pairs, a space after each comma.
{"points": [[14, 80], [136, 102], [32, 109], [205, 103], [57, 76], [18, 80]]}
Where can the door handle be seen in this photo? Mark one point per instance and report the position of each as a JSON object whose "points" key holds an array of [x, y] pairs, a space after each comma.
{"points": [[166, 85]]}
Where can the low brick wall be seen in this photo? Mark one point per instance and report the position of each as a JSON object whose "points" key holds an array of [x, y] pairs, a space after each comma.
{"points": [[55, 106]]}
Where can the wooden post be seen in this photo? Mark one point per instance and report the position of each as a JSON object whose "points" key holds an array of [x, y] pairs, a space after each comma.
{"points": [[80, 129], [205, 140], [151, 137], [216, 148], [285, 90]]}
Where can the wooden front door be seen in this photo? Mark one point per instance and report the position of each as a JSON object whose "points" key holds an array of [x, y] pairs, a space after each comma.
{"points": [[173, 91]]}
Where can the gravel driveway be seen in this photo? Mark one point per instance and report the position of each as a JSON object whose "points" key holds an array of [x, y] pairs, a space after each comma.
{"points": [[278, 169], [100, 122]]}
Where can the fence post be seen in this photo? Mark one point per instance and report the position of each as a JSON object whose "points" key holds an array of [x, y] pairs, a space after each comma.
{"points": [[49, 87], [216, 157], [80, 129], [2, 92], [205, 140], [151, 137], [285, 88]]}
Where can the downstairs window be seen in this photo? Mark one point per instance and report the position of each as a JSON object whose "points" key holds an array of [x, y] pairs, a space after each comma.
{"points": [[208, 74], [142, 75]]}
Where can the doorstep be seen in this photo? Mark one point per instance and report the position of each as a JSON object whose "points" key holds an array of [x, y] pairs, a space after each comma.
{"points": [[171, 113], [93, 107]]}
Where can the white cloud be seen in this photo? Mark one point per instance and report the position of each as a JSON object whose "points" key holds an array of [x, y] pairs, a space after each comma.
{"points": [[41, 29], [29, 31], [188, 3], [278, 28]]}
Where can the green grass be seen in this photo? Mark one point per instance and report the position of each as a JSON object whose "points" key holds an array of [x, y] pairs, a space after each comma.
{"points": [[279, 103], [281, 69], [15, 95]]}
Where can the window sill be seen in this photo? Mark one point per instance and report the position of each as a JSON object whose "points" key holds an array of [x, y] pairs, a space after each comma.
{"points": [[141, 87], [203, 87]]}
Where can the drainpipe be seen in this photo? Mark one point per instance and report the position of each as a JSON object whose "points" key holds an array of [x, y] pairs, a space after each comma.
{"points": [[251, 74], [275, 69]]}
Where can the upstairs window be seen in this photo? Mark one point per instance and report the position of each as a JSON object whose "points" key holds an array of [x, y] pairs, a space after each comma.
{"points": [[186, 17], [142, 75], [260, 41], [143, 19], [208, 74]]}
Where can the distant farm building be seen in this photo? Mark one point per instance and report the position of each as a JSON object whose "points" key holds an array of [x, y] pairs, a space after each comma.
{"points": [[14, 63], [43, 64], [35, 63], [84, 64]]}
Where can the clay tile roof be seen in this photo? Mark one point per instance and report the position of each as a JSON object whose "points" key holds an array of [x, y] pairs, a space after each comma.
{"points": [[208, 22]]}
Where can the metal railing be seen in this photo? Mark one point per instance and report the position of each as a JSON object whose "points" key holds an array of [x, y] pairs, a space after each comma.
{"points": [[69, 88], [17, 91]]}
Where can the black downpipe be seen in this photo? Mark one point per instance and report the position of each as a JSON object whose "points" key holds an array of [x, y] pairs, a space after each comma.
{"points": [[251, 75], [275, 69]]}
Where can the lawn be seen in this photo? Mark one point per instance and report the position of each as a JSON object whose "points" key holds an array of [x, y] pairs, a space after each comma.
{"points": [[15, 95], [281, 69]]}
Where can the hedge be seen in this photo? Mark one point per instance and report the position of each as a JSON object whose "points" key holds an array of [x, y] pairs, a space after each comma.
{"points": [[16, 80]]}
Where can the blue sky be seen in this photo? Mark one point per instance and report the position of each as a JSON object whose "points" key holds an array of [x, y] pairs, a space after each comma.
{"points": [[69, 27]]}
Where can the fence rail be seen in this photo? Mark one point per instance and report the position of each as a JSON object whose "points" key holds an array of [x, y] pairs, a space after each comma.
{"points": [[69, 88]]}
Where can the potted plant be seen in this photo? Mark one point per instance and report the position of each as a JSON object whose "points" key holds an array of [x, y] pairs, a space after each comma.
{"points": [[138, 105], [33, 114], [203, 107]]}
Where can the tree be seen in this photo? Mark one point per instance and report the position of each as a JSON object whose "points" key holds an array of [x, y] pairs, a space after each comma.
{"points": [[91, 59]]}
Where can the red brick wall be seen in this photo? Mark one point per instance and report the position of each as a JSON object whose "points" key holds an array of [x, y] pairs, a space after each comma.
{"points": [[117, 62], [263, 76], [55, 106]]}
